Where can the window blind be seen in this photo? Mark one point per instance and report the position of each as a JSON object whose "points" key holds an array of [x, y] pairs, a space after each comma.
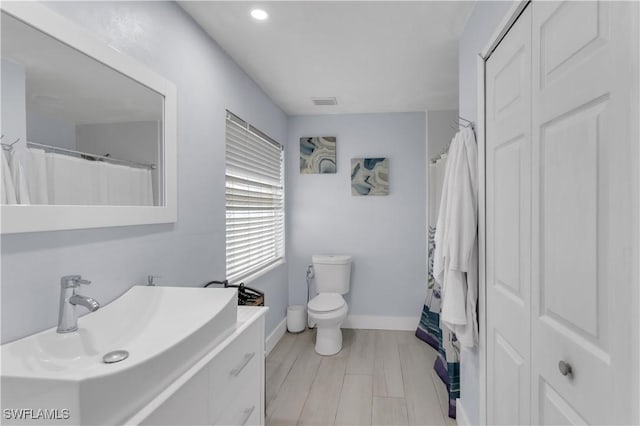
{"points": [[254, 194]]}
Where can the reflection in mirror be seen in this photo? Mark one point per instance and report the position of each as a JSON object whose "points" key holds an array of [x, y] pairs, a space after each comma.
{"points": [[74, 131]]}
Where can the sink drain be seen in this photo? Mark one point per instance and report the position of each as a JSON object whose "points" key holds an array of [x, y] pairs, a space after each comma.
{"points": [[115, 356]]}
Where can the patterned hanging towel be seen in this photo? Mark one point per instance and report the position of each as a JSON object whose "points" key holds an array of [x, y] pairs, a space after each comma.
{"points": [[447, 363]]}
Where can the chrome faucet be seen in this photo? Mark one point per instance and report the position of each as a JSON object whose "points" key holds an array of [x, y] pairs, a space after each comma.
{"points": [[67, 317]]}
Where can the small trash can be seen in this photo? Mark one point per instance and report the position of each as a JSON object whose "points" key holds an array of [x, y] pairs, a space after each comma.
{"points": [[296, 318]]}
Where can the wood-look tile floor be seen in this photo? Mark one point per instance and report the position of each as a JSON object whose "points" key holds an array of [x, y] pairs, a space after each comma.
{"points": [[378, 378]]}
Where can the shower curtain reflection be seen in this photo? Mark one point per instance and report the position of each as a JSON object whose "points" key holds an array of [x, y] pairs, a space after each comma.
{"points": [[65, 180]]}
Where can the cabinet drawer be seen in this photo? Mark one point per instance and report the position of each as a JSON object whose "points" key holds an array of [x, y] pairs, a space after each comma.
{"points": [[237, 367], [243, 409]]}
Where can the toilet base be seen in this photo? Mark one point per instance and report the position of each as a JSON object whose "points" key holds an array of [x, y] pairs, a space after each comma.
{"points": [[328, 340], [328, 333]]}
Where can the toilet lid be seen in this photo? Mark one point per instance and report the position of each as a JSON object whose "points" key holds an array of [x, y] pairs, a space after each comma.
{"points": [[326, 302]]}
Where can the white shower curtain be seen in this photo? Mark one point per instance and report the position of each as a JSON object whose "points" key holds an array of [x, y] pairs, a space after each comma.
{"points": [[127, 186], [447, 364], [73, 181], [37, 176], [19, 178], [65, 180], [8, 188]]}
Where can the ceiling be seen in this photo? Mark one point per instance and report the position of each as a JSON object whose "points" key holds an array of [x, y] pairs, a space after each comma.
{"points": [[65, 83], [373, 56]]}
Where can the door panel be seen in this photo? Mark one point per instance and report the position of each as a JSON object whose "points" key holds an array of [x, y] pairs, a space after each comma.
{"points": [[506, 189], [508, 145], [561, 47], [568, 223], [581, 199], [509, 383], [555, 410]]}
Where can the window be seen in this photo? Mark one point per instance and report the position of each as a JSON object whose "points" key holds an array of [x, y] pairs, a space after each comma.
{"points": [[254, 194]]}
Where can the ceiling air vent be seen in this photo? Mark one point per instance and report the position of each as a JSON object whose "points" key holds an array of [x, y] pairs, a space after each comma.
{"points": [[324, 101]]}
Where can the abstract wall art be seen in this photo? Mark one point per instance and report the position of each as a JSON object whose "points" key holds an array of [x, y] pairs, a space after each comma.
{"points": [[369, 176], [318, 155]]}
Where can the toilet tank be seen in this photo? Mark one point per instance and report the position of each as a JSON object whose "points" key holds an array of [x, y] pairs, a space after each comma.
{"points": [[332, 272]]}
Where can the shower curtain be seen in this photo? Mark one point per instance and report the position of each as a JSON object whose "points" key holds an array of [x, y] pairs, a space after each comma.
{"points": [[447, 363], [62, 179]]}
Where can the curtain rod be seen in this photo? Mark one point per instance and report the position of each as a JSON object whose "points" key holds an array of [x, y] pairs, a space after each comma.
{"points": [[102, 157]]}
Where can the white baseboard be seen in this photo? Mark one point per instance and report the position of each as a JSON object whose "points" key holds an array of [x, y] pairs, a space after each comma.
{"points": [[272, 339], [371, 322], [461, 415]]}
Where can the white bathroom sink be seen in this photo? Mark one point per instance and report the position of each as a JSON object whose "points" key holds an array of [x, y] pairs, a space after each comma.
{"points": [[164, 329]]}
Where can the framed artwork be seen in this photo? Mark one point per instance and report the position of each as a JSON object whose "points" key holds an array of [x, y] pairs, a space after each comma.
{"points": [[370, 176], [318, 155]]}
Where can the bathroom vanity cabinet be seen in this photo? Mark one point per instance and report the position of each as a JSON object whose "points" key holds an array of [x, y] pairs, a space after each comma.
{"points": [[226, 387]]}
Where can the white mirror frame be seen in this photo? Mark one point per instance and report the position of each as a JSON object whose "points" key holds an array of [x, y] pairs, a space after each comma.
{"points": [[33, 218]]}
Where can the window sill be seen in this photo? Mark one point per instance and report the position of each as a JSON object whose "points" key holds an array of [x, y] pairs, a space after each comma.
{"points": [[255, 275]]}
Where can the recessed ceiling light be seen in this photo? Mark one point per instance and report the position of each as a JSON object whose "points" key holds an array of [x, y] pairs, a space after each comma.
{"points": [[259, 14]]}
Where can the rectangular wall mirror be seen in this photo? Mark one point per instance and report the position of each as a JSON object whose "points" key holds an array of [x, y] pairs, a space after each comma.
{"points": [[88, 133]]}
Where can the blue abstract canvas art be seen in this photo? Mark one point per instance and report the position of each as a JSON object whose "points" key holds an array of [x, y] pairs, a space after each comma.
{"points": [[318, 155], [369, 176]]}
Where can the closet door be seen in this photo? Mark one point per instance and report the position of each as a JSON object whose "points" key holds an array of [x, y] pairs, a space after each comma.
{"points": [[508, 228], [582, 213]]}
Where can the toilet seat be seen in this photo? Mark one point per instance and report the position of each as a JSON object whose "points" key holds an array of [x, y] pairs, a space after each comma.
{"points": [[326, 302]]}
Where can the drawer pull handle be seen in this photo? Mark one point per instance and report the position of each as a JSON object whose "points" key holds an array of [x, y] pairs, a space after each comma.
{"points": [[247, 414], [243, 364]]}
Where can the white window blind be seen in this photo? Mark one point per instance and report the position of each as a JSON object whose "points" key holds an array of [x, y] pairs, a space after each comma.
{"points": [[254, 194]]}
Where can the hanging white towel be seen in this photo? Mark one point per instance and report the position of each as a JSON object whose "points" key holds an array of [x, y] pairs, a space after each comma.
{"points": [[8, 189], [19, 178], [441, 224], [37, 176], [456, 255]]}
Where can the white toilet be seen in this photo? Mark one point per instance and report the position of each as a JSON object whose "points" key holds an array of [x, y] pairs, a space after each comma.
{"points": [[328, 309]]}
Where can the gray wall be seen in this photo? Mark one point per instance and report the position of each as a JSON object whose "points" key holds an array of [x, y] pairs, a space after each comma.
{"points": [[133, 141], [13, 102], [384, 234], [482, 23], [441, 128], [50, 130], [187, 253]]}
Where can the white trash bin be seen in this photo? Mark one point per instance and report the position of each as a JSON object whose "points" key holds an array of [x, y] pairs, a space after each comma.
{"points": [[296, 318]]}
